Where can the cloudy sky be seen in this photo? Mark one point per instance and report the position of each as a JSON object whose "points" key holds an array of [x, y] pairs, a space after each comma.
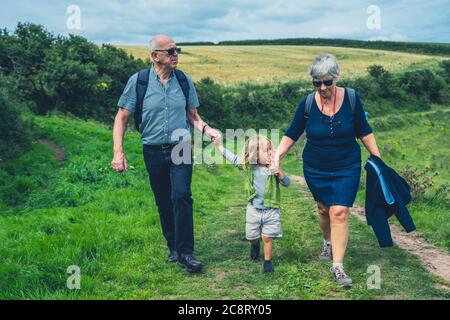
{"points": [[135, 21]]}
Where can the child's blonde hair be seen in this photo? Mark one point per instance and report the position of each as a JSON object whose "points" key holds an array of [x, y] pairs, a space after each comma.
{"points": [[251, 149]]}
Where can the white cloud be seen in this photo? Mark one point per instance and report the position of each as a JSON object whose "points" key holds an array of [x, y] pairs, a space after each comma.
{"points": [[134, 21]]}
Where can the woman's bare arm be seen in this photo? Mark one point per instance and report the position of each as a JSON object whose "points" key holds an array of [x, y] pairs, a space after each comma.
{"points": [[285, 144], [371, 144]]}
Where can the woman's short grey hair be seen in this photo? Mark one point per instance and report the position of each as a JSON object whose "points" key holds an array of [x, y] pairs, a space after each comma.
{"points": [[324, 65]]}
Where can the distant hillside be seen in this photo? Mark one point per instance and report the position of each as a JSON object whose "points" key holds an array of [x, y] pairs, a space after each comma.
{"points": [[231, 65], [441, 49]]}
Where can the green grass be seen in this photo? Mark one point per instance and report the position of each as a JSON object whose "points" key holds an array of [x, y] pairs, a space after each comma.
{"points": [[25, 175], [106, 223]]}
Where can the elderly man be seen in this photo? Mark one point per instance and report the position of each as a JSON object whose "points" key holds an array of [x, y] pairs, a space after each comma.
{"points": [[166, 108]]}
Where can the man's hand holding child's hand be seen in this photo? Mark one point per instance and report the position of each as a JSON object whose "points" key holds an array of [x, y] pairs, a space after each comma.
{"points": [[280, 174], [217, 141]]}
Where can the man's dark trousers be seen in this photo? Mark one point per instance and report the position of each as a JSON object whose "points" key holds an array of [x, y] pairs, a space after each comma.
{"points": [[171, 185]]}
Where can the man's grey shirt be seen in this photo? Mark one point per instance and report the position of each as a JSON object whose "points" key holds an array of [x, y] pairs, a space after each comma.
{"points": [[164, 108]]}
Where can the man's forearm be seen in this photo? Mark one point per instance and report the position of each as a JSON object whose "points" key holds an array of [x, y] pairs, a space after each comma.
{"points": [[118, 133], [197, 122]]}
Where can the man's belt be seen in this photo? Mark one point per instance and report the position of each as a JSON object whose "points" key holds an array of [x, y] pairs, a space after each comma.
{"points": [[160, 146]]}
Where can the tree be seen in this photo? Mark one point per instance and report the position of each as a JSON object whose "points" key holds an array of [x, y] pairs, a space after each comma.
{"points": [[16, 132]]}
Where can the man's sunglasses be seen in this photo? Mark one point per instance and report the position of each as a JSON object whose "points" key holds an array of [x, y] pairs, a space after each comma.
{"points": [[318, 83], [171, 51]]}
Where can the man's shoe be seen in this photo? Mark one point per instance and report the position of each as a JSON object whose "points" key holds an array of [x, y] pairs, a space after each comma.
{"points": [[268, 266], [254, 251], [189, 262], [173, 256]]}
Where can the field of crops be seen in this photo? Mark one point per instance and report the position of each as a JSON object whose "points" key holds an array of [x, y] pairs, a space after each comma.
{"points": [[262, 64]]}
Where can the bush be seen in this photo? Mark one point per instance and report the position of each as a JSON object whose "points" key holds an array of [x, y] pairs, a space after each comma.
{"points": [[377, 72], [16, 132], [420, 181], [85, 80], [69, 82], [423, 83], [445, 66], [22, 55], [69, 74], [214, 107]]}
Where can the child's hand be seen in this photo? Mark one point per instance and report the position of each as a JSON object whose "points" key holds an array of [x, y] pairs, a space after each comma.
{"points": [[218, 142], [275, 163], [274, 168], [280, 174]]}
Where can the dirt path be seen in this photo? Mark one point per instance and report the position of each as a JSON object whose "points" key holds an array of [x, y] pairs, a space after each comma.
{"points": [[58, 151], [436, 260]]}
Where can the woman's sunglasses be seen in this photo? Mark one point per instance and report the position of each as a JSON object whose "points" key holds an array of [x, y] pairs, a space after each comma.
{"points": [[170, 51], [318, 83]]}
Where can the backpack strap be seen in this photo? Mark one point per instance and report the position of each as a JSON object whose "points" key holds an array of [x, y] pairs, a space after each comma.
{"points": [[352, 97], [184, 84], [308, 104], [141, 89]]}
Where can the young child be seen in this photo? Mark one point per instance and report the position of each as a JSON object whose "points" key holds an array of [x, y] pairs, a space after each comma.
{"points": [[263, 193]]}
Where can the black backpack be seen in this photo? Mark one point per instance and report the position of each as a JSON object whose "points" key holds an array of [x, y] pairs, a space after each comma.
{"points": [[311, 96], [141, 89]]}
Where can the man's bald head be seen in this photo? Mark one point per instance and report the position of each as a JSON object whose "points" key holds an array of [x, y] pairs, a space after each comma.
{"points": [[160, 41], [159, 46]]}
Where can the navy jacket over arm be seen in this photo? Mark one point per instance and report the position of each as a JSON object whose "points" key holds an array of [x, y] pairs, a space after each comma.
{"points": [[378, 210]]}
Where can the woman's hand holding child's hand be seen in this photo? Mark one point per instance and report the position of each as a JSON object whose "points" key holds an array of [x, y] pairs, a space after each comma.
{"points": [[276, 170]]}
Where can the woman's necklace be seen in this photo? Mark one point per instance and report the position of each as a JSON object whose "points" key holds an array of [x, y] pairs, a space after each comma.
{"points": [[334, 104], [334, 111]]}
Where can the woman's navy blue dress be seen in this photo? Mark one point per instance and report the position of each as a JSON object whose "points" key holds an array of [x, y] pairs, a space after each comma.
{"points": [[332, 156]]}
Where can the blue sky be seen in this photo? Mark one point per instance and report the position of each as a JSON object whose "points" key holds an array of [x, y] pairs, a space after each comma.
{"points": [[135, 21]]}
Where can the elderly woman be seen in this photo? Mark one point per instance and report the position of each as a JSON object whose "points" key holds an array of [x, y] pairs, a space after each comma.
{"points": [[332, 156]]}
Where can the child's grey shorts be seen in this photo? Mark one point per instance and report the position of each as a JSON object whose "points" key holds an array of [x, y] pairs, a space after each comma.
{"points": [[266, 222]]}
